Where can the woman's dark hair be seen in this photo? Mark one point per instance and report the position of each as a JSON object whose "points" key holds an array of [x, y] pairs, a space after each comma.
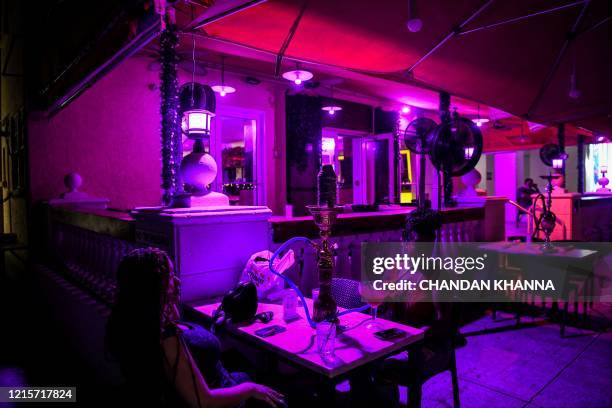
{"points": [[147, 292]]}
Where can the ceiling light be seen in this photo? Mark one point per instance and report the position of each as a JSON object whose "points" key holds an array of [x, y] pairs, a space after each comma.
{"points": [[331, 109], [223, 89], [479, 121], [574, 92], [405, 109], [297, 76], [414, 24]]}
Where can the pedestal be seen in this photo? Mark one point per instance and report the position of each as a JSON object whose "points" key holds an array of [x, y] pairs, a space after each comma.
{"points": [[208, 245]]}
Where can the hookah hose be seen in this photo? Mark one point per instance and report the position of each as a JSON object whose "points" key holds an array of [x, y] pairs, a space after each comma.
{"points": [[297, 290]]}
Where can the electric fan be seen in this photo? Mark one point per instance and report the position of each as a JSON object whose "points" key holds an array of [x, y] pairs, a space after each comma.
{"points": [[418, 139], [456, 147], [550, 152], [418, 135]]}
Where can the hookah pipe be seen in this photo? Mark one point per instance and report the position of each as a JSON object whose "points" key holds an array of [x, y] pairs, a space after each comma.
{"points": [[297, 290], [547, 219], [324, 214]]}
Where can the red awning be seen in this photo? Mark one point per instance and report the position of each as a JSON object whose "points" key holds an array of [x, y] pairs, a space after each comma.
{"points": [[510, 66]]}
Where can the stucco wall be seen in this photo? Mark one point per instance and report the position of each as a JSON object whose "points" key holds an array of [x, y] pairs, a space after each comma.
{"points": [[111, 133]]}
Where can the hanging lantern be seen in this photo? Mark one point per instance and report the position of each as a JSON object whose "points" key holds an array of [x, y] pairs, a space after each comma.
{"points": [[198, 168], [557, 163], [469, 152], [197, 104]]}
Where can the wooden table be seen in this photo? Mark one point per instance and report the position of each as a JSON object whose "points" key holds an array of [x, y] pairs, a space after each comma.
{"points": [[355, 347]]}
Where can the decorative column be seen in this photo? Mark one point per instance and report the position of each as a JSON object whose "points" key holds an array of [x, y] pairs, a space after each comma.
{"points": [[447, 180], [580, 163], [171, 150], [561, 143]]}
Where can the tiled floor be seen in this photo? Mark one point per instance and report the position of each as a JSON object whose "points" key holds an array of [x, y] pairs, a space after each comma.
{"points": [[530, 366]]}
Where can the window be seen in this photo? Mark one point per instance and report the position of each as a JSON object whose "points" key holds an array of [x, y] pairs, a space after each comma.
{"points": [[235, 144], [598, 155]]}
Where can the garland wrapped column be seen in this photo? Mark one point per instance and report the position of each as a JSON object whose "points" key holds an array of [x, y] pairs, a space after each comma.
{"points": [[170, 125]]}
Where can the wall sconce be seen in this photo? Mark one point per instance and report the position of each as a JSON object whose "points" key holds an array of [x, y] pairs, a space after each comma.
{"points": [[197, 107], [469, 152]]}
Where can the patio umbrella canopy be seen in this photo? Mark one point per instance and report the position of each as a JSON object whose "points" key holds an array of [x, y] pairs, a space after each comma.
{"points": [[520, 56]]}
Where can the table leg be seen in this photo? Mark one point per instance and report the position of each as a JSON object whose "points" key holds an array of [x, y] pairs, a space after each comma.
{"points": [[326, 392], [564, 318]]}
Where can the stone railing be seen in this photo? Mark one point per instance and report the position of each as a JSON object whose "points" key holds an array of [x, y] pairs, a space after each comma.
{"points": [[86, 255]]}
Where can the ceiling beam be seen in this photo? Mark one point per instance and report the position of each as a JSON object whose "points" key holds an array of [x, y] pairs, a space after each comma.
{"points": [[521, 18], [220, 10], [454, 32], [290, 34]]}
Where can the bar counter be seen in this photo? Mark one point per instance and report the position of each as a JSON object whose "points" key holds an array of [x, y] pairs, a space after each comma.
{"points": [[352, 223], [120, 224]]}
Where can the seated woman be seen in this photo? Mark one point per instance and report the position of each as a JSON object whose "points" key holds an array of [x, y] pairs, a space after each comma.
{"points": [[144, 335]]}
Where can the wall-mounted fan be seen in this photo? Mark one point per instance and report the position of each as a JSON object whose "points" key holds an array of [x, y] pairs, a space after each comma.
{"points": [[550, 152], [457, 146]]}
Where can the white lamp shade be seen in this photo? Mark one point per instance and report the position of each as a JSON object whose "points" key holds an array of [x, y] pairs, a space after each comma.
{"points": [[223, 89], [298, 76], [197, 122]]}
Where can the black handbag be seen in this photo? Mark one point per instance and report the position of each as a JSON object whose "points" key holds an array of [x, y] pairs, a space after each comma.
{"points": [[238, 305]]}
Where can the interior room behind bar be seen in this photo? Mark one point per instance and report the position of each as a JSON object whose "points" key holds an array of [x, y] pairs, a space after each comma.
{"points": [[303, 203]]}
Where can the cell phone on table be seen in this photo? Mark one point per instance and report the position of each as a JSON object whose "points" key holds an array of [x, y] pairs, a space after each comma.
{"points": [[390, 334], [270, 331]]}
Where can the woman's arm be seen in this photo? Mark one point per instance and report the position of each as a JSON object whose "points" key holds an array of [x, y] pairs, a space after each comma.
{"points": [[193, 389]]}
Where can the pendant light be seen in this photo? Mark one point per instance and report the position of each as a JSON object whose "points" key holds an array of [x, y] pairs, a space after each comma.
{"points": [[479, 121], [223, 89], [331, 107], [297, 76]]}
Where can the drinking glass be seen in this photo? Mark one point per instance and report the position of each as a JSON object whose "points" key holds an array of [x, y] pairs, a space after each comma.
{"points": [[374, 298], [326, 338]]}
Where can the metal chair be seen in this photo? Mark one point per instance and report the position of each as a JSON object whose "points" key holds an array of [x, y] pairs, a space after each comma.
{"points": [[426, 359], [346, 293]]}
